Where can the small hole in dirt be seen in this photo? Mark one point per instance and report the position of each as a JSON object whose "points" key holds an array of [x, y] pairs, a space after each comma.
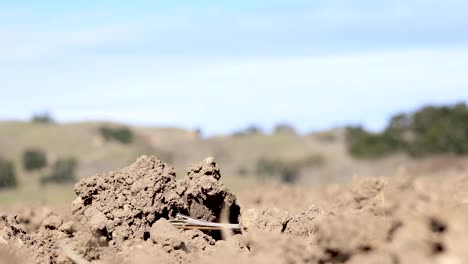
{"points": [[184, 248], [365, 248], [88, 201], [234, 214], [437, 248], [437, 226], [104, 233], [216, 235], [139, 215], [146, 236], [248, 247], [336, 256]]}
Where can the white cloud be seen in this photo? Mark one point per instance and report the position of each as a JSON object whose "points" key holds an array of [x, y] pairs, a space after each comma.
{"points": [[328, 26], [312, 92], [20, 43]]}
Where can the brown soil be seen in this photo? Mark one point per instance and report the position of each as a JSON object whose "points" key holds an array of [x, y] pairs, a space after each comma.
{"points": [[122, 217], [124, 204]]}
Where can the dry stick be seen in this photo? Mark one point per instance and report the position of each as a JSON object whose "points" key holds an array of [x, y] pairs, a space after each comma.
{"points": [[226, 233], [185, 222]]}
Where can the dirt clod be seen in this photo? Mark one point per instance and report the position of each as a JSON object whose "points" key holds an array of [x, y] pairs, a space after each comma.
{"points": [[301, 225], [124, 204], [168, 236], [268, 219], [52, 222], [205, 196]]}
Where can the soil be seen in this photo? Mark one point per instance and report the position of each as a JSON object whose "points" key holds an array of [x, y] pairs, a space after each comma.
{"points": [[122, 217], [124, 204]]}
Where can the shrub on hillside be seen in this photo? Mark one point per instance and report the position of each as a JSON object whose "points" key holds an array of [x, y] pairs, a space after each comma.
{"points": [[7, 174], [120, 134], [288, 171], [34, 159], [253, 130], [43, 118], [431, 130], [266, 166], [370, 145], [198, 132], [440, 130], [284, 129], [63, 171], [312, 160], [249, 131], [325, 137]]}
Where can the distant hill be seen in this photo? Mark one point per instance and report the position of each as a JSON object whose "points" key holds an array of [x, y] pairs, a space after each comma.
{"points": [[237, 155]]}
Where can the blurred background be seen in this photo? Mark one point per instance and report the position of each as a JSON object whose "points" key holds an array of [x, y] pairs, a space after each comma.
{"points": [[296, 92]]}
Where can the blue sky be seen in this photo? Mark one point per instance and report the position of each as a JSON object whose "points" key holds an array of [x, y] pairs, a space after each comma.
{"points": [[222, 65]]}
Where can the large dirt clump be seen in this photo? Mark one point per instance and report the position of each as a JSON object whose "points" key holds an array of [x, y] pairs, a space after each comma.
{"points": [[205, 197], [122, 212], [124, 204], [46, 243]]}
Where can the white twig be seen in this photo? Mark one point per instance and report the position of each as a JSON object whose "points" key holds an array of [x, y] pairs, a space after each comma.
{"points": [[183, 221]]}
